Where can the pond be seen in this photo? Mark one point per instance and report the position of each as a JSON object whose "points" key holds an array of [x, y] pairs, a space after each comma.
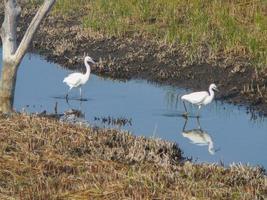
{"points": [[228, 133]]}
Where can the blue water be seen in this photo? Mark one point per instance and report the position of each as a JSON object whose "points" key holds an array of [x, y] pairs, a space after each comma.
{"points": [[153, 109]]}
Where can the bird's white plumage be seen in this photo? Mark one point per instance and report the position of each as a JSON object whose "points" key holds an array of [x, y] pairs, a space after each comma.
{"points": [[73, 80], [78, 79], [196, 97], [200, 98]]}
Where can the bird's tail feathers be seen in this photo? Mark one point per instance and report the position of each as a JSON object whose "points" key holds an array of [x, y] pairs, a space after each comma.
{"points": [[182, 97], [65, 80]]}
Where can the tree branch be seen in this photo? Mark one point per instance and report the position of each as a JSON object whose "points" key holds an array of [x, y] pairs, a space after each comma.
{"points": [[9, 29], [35, 23]]}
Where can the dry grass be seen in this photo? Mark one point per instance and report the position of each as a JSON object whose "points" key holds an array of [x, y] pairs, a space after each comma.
{"points": [[41, 158]]}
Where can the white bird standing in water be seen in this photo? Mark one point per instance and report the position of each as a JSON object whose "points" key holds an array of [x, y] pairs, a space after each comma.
{"points": [[200, 98], [78, 79]]}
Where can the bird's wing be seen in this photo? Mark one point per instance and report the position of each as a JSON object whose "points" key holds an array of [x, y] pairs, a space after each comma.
{"points": [[195, 97], [73, 79]]}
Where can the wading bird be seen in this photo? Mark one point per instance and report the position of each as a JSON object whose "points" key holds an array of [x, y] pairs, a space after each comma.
{"points": [[199, 98], [78, 79]]}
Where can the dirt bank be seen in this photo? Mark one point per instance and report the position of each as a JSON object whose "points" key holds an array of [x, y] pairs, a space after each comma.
{"points": [[63, 40]]}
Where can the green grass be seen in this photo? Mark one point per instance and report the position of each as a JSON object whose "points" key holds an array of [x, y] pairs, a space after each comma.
{"points": [[231, 27]]}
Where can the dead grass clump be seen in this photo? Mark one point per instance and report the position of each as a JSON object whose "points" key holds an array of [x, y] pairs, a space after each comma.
{"points": [[42, 158]]}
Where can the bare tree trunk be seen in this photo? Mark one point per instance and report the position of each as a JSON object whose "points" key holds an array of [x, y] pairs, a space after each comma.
{"points": [[7, 86], [9, 42], [13, 54]]}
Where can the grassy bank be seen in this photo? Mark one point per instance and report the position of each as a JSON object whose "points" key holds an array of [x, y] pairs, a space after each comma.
{"points": [[63, 39], [41, 158], [234, 28]]}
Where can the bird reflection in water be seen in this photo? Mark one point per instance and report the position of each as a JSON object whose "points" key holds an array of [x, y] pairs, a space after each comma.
{"points": [[199, 137]]}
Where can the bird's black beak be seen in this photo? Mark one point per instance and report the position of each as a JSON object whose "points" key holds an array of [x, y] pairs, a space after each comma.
{"points": [[216, 89]]}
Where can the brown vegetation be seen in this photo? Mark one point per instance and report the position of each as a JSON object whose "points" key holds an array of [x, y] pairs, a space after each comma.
{"points": [[41, 158]]}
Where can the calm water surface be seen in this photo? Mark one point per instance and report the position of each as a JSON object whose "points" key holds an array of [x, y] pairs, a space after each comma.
{"points": [[227, 135]]}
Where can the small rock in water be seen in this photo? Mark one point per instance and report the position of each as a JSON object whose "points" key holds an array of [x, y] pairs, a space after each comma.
{"points": [[74, 116]]}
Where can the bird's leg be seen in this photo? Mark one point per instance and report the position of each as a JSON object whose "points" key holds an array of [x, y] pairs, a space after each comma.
{"points": [[67, 96], [185, 114]]}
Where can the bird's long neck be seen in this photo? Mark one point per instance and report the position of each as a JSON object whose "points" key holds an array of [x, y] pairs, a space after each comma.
{"points": [[88, 69], [211, 93]]}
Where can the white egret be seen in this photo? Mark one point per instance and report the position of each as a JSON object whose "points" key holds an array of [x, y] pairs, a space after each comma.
{"points": [[200, 98], [78, 79]]}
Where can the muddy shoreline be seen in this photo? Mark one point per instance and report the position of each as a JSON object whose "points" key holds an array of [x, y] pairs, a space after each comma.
{"points": [[63, 40]]}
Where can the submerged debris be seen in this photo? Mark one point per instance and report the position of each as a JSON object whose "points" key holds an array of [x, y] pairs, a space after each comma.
{"points": [[120, 121], [74, 112]]}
